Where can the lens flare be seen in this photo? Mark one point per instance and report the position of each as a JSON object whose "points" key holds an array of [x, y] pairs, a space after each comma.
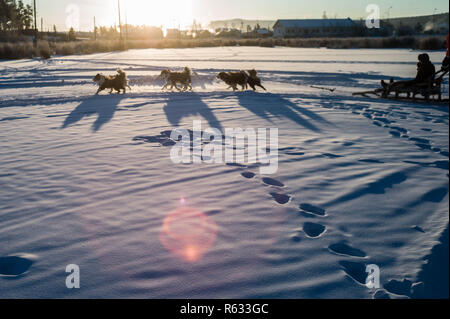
{"points": [[188, 234]]}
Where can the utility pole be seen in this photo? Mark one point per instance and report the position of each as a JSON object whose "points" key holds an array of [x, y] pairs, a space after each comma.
{"points": [[35, 24], [42, 25], [120, 22], [389, 14], [126, 26]]}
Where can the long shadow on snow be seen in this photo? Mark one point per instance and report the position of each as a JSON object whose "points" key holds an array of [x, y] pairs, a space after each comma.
{"points": [[378, 186], [434, 273], [104, 106], [266, 105], [187, 104]]}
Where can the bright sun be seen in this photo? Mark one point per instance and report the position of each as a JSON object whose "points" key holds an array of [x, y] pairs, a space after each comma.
{"points": [[169, 14]]}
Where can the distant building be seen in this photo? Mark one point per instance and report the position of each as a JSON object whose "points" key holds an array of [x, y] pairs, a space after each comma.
{"points": [[173, 34], [227, 33], [264, 32], [313, 28], [258, 33]]}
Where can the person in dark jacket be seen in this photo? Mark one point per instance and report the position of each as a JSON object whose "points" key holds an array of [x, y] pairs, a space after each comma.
{"points": [[425, 71]]}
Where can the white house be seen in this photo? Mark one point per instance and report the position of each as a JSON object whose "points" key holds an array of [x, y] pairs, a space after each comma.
{"points": [[313, 28]]}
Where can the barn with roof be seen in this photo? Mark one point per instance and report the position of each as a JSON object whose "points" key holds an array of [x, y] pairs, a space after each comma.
{"points": [[314, 28]]}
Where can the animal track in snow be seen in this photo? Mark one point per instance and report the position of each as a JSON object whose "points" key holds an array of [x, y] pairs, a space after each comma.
{"points": [[383, 120], [377, 123], [399, 129], [164, 139], [159, 139]]}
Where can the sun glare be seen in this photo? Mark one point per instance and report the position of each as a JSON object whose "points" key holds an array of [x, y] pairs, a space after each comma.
{"points": [[169, 14], [188, 233]]}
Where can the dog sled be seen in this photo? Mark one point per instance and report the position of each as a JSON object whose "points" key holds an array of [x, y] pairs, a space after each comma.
{"points": [[430, 91]]}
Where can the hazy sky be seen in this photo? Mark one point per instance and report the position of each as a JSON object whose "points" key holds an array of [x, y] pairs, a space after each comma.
{"points": [[171, 13]]}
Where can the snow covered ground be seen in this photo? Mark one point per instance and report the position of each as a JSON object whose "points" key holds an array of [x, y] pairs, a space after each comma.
{"points": [[88, 180]]}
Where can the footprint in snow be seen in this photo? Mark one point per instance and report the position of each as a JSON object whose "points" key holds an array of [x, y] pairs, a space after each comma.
{"points": [[420, 140], [295, 153], [346, 250], [311, 209], [424, 146], [165, 138], [399, 129], [377, 123], [14, 266], [248, 175], [272, 182], [281, 199], [347, 144], [314, 230], [383, 120], [159, 139], [355, 270]]}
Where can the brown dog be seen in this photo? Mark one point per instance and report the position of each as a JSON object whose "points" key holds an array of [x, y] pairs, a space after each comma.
{"points": [[254, 80], [173, 78], [116, 82], [233, 79]]}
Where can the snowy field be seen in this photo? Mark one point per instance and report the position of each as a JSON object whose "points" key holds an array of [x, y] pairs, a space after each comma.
{"points": [[88, 180]]}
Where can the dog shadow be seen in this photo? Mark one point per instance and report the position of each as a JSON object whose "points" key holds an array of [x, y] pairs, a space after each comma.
{"points": [[187, 104], [105, 107], [268, 105]]}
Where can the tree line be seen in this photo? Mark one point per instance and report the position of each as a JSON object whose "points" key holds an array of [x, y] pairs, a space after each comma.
{"points": [[15, 16]]}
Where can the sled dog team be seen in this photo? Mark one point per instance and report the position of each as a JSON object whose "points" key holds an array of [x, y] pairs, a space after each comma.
{"points": [[119, 82]]}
